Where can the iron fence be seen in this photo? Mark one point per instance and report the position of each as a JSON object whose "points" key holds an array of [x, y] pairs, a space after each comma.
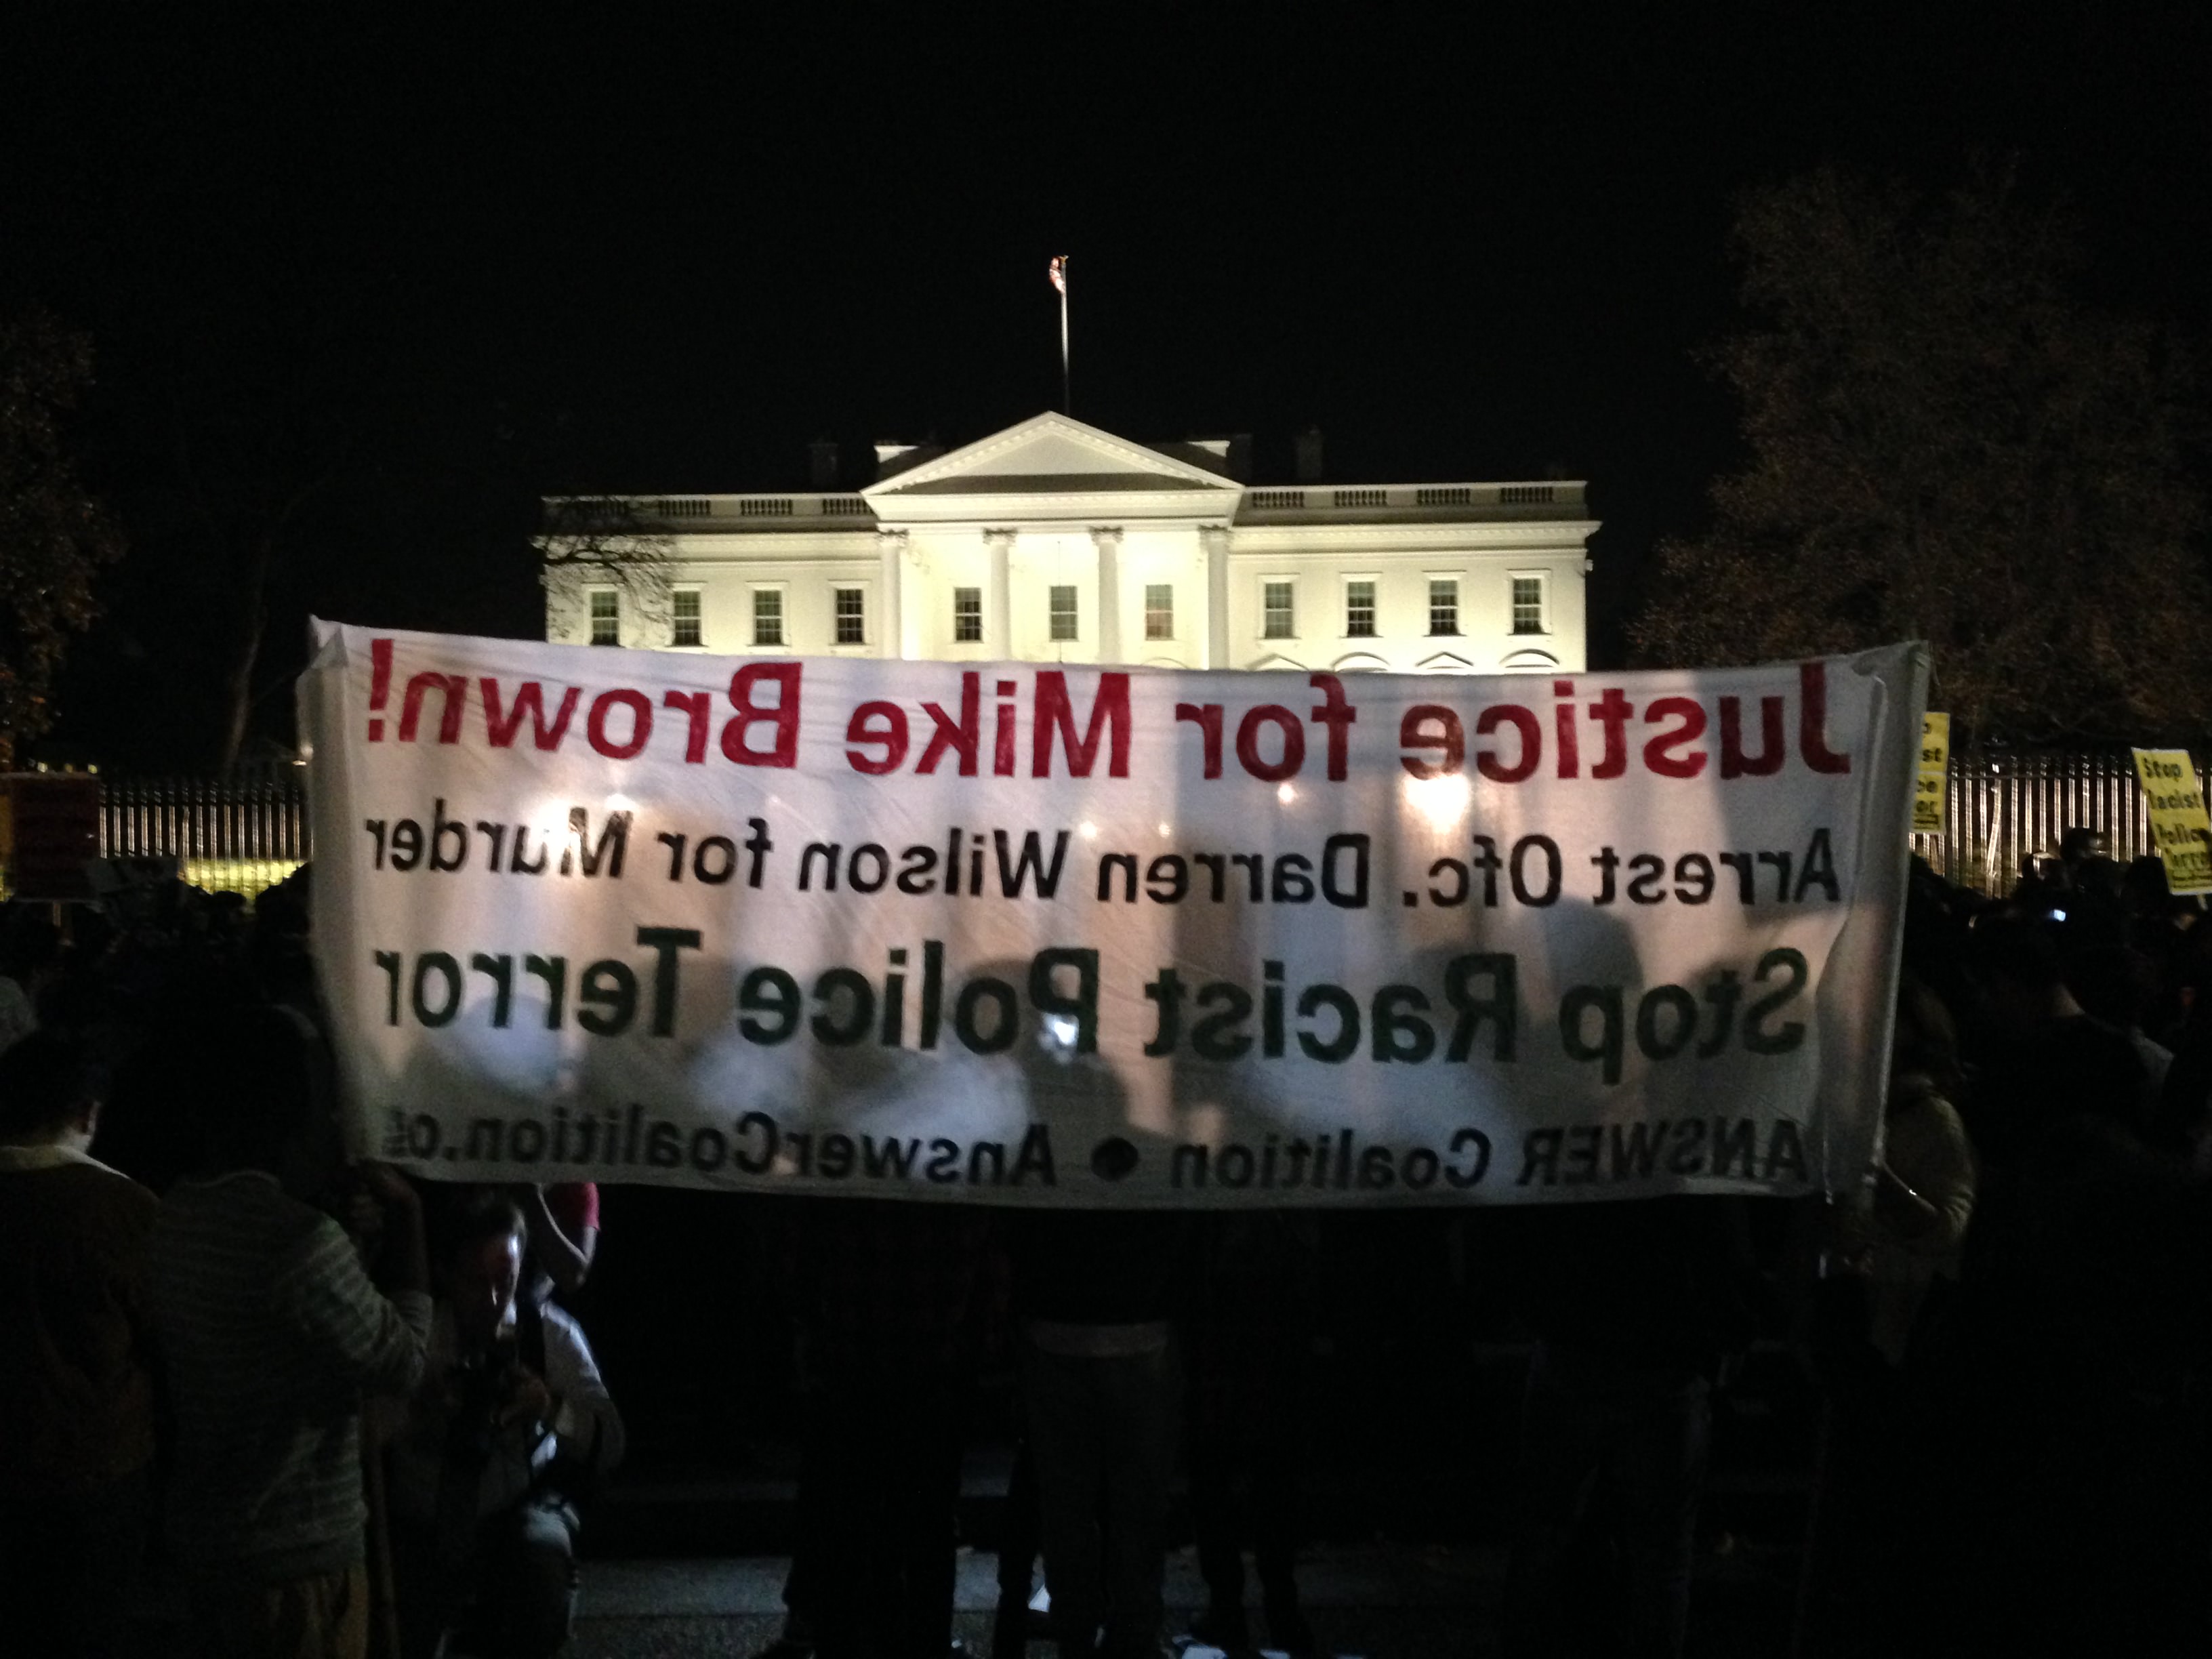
{"points": [[239, 834], [249, 832], [261, 818], [2005, 805]]}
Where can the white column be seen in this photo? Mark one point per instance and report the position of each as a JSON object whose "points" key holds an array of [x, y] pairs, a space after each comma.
{"points": [[999, 629], [1107, 541], [891, 587], [1215, 539]]}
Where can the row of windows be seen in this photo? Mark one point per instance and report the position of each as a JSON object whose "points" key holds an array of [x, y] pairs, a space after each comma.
{"points": [[848, 611], [1063, 616], [1279, 619], [850, 614], [1063, 613]]}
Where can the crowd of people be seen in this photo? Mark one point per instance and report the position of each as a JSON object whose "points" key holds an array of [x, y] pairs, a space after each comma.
{"points": [[2014, 1334], [325, 1395], [322, 1398]]}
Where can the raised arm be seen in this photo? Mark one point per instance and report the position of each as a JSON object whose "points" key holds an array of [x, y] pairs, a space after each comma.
{"points": [[567, 1260]]}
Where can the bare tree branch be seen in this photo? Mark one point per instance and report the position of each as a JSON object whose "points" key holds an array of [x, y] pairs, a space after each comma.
{"points": [[606, 541]]}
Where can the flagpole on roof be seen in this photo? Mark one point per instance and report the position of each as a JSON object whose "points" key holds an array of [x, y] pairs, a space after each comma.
{"points": [[1058, 272]]}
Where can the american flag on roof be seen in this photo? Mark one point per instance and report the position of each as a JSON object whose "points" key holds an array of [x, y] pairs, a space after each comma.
{"points": [[1058, 272]]}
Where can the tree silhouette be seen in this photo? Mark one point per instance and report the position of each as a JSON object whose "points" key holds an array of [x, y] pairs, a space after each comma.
{"points": [[1947, 444], [54, 536]]}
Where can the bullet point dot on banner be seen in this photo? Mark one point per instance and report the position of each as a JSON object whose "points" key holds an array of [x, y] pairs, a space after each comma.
{"points": [[1112, 1158], [1411, 899]]}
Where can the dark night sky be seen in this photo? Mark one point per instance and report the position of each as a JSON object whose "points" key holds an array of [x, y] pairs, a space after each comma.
{"points": [[456, 264]]}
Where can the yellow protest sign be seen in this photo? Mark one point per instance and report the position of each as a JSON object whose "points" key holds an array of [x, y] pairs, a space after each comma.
{"points": [[2177, 822], [1931, 793]]}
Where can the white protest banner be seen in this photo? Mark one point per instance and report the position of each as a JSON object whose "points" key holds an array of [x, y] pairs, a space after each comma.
{"points": [[1063, 935]]}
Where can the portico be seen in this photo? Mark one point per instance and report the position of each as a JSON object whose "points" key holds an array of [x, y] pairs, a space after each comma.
{"points": [[1054, 541]]}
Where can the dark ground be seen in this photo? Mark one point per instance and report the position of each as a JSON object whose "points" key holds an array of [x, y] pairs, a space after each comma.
{"points": [[1417, 1371], [1398, 1602]]}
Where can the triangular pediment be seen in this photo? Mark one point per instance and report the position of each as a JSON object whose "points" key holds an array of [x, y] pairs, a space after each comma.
{"points": [[1049, 454]]}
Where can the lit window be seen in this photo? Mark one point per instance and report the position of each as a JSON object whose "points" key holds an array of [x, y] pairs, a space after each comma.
{"points": [[1443, 606], [852, 608], [1277, 619], [1159, 611], [1528, 605], [768, 615], [606, 616], [1359, 610], [684, 625], [1063, 613], [967, 616]]}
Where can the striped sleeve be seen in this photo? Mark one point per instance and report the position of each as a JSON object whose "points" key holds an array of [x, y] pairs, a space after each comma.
{"points": [[320, 1290]]}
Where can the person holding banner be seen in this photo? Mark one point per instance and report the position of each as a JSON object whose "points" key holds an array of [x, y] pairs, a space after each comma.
{"points": [[511, 1423], [270, 1332], [1635, 1306], [1911, 1235], [1094, 1294], [1248, 1344], [1895, 1253], [893, 1295]]}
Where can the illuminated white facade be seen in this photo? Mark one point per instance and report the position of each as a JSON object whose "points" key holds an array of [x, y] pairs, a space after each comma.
{"points": [[1054, 541]]}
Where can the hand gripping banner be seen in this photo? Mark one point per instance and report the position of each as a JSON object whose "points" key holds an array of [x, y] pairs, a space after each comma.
{"points": [[1035, 935]]}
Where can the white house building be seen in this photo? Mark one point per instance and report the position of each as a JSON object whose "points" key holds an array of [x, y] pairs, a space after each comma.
{"points": [[1054, 541]]}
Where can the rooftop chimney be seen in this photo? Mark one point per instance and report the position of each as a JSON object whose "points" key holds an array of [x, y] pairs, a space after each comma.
{"points": [[821, 463], [1307, 446]]}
